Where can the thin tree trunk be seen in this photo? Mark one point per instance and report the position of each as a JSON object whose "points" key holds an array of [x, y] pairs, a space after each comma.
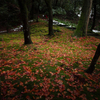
{"points": [[50, 19], [94, 15], [24, 14], [84, 19], [56, 2], [75, 5], [49, 5], [38, 10], [94, 60], [7, 26], [32, 10]]}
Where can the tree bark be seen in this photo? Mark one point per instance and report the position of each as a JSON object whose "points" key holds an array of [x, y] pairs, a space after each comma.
{"points": [[49, 5], [24, 15], [82, 27], [39, 2], [56, 2], [32, 10], [75, 5], [94, 15], [94, 60]]}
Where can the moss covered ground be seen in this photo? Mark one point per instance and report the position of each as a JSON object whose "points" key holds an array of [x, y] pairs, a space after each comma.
{"points": [[52, 68]]}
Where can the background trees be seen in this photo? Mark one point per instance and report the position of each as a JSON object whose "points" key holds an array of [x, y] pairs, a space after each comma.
{"points": [[35, 9], [95, 15], [64, 9], [9, 17]]}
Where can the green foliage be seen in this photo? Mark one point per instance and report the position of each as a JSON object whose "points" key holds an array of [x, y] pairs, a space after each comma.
{"points": [[8, 17], [59, 11]]}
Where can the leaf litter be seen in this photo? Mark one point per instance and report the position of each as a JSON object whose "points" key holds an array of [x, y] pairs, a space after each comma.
{"points": [[53, 70]]}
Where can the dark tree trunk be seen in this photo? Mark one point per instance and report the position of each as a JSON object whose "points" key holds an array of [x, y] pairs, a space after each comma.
{"points": [[37, 14], [94, 60], [82, 26], [75, 5], [24, 14], [50, 19], [7, 19], [56, 2], [49, 5], [39, 2], [7, 26], [94, 15], [32, 10]]}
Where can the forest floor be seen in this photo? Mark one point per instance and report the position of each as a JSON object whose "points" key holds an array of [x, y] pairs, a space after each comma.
{"points": [[52, 68]]}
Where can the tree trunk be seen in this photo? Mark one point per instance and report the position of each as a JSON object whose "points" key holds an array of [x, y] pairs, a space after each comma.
{"points": [[7, 26], [75, 5], [39, 2], [32, 10], [24, 14], [94, 15], [49, 5], [56, 2], [82, 27], [94, 60]]}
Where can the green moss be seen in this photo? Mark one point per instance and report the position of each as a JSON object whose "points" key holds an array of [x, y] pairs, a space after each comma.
{"points": [[80, 30], [46, 54]]}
